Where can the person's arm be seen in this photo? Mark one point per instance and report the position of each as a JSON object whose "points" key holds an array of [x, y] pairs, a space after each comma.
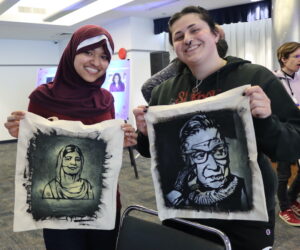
{"points": [[277, 134], [112, 112], [139, 112], [13, 121], [158, 78]]}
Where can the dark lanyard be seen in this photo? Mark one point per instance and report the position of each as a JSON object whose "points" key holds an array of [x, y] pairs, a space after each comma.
{"points": [[288, 82], [289, 85]]}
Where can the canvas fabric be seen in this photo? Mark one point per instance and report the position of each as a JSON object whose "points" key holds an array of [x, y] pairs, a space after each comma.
{"points": [[39, 168], [232, 100]]}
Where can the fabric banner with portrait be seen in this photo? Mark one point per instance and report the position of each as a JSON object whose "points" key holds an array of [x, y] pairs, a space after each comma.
{"points": [[67, 174], [204, 159]]}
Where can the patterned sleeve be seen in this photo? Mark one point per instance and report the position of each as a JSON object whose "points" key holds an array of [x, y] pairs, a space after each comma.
{"points": [[158, 78]]}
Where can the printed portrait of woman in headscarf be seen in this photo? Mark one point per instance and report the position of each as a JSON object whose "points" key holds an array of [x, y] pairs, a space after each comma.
{"points": [[68, 183]]}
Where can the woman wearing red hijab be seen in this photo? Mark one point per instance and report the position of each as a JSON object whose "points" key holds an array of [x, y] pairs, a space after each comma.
{"points": [[76, 94]]}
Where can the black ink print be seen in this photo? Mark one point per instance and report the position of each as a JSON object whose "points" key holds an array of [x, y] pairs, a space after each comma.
{"points": [[68, 183], [65, 176], [203, 178]]}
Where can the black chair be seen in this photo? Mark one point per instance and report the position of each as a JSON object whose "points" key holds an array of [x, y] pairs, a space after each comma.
{"points": [[140, 234]]}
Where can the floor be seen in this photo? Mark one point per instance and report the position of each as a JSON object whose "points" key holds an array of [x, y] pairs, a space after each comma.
{"points": [[134, 191]]}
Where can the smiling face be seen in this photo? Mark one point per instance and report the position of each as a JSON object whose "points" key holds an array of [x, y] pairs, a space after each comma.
{"points": [[208, 152], [72, 163], [193, 40], [91, 65], [292, 63]]}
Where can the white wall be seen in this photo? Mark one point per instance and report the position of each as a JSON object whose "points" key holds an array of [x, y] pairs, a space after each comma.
{"points": [[142, 39], [136, 36], [121, 33], [19, 62], [27, 52]]}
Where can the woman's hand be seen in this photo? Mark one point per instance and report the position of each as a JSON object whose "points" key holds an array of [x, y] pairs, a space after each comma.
{"points": [[260, 104], [13, 123], [139, 114], [130, 137]]}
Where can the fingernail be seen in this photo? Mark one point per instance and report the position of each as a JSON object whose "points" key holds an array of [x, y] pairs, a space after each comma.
{"points": [[146, 109]]}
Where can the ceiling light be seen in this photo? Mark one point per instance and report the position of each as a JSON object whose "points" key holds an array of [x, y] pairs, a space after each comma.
{"points": [[158, 5], [96, 8], [67, 10], [56, 12]]}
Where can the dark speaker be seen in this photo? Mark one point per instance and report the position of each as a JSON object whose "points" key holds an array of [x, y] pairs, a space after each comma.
{"points": [[159, 60]]}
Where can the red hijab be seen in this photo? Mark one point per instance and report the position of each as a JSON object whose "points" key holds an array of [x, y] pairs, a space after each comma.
{"points": [[69, 94]]}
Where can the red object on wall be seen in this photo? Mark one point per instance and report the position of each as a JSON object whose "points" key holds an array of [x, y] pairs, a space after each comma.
{"points": [[122, 53]]}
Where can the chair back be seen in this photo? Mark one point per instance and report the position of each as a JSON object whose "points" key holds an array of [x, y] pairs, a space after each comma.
{"points": [[137, 233]]}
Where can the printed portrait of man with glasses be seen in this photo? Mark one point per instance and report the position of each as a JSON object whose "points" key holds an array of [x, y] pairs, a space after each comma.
{"points": [[206, 182]]}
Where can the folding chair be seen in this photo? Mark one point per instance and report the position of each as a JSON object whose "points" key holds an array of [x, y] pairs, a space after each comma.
{"points": [[140, 234]]}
